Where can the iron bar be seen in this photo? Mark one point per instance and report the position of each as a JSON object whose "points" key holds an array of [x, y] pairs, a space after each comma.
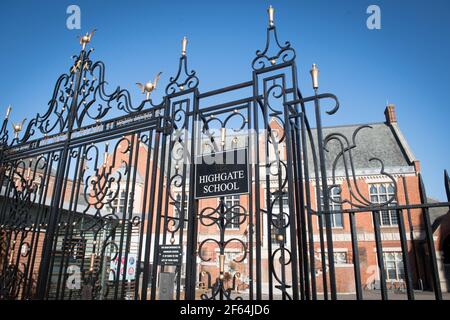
{"points": [[191, 248], [355, 253], [307, 208], [430, 241], [326, 204], [380, 258], [411, 234], [404, 245], [258, 211]]}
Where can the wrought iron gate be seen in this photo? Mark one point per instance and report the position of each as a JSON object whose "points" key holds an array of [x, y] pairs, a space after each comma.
{"points": [[88, 200]]}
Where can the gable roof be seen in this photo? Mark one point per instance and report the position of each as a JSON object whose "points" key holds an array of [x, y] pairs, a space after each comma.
{"points": [[379, 140]]}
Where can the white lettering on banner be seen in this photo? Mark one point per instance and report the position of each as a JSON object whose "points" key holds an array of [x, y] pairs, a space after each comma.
{"points": [[230, 186], [218, 177]]}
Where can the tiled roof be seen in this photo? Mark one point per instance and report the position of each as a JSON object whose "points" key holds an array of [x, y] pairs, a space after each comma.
{"points": [[379, 141]]}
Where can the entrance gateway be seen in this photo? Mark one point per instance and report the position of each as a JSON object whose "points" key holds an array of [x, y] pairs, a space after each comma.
{"points": [[86, 197]]}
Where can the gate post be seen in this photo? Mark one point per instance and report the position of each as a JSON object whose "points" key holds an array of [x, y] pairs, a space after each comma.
{"points": [[44, 268], [191, 248], [324, 189], [430, 241]]}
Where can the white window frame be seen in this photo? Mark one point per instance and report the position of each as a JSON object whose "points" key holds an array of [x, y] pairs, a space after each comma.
{"points": [[336, 251], [392, 214], [235, 200], [334, 207], [398, 265], [115, 205]]}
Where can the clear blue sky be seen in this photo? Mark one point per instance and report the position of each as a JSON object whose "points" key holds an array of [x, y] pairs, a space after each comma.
{"points": [[407, 62]]}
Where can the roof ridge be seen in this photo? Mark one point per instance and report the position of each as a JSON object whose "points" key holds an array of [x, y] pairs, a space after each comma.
{"points": [[352, 125]]}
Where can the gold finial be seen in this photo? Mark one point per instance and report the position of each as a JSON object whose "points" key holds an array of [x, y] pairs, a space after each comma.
{"points": [[17, 127], [91, 264], [11, 257], [149, 86], [8, 112], [184, 43], [271, 11], [84, 40], [75, 67], [222, 263], [315, 76]]}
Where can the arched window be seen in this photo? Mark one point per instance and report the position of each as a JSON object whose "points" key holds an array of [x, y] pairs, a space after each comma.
{"points": [[382, 193]]}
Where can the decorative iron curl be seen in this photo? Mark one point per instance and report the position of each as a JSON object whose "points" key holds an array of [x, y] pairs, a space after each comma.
{"points": [[210, 216], [11, 280], [346, 157], [78, 95], [317, 97], [218, 288], [222, 246], [23, 183], [4, 133], [207, 119], [264, 59], [278, 169], [103, 186], [282, 251], [183, 79], [272, 93]]}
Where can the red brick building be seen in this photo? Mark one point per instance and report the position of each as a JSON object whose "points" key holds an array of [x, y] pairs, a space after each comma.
{"points": [[383, 140]]}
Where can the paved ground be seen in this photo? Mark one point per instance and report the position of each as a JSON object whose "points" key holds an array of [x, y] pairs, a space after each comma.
{"points": [[392, 295], [368, 295]]}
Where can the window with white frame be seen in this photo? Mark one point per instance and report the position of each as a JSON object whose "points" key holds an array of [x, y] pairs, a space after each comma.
{"points": [[335, 205], [393, 263], [278, 200], [117, 206], [381, 193], [233, 209], [340, 257]]}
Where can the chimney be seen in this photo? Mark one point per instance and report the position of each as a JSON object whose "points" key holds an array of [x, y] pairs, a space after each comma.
{"points": [[416, 164], [390, 115]]}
